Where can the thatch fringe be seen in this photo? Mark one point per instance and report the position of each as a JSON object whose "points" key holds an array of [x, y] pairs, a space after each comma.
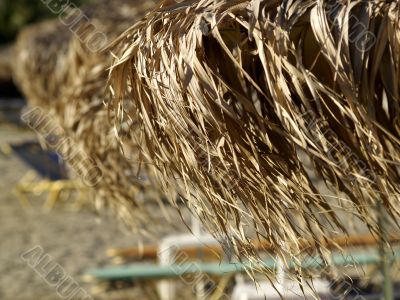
{"points": [[235, 96], [60, 72]]}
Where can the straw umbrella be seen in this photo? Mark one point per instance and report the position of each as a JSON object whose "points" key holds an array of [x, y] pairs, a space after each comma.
{"points": [[5, 66], [60, 71], [243, 104], [39, 51]]}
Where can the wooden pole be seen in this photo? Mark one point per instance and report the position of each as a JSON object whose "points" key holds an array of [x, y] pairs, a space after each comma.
{"points": [[216, 252], [385, 254]]}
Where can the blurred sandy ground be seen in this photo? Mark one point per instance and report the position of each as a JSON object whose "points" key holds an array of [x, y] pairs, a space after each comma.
{"points": [[75, 240]]}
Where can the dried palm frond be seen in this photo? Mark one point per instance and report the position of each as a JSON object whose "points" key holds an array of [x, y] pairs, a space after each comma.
{"points": [[85, 117], [235, 96], [60, 71]]}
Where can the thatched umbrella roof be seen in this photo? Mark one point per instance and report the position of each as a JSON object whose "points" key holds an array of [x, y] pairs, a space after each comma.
{"points": [[39, 51], [235, 96], [5, 64], [61, 73]]}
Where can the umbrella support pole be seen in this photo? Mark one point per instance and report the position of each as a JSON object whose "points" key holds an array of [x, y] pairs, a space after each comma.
{"points": [[385, 254]]}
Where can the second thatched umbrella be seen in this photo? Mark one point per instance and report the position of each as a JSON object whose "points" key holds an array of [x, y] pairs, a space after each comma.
{"points": [[61, 72]]}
